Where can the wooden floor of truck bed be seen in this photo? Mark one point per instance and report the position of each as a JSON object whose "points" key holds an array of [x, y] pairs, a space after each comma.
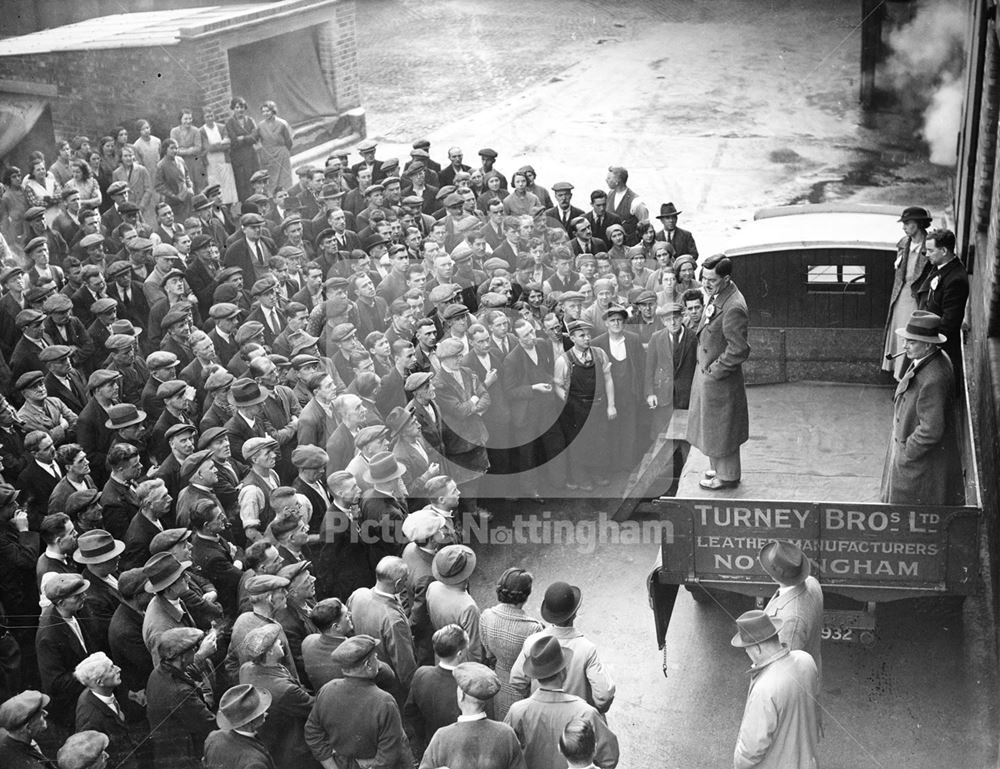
{"points": [[809, 441]]}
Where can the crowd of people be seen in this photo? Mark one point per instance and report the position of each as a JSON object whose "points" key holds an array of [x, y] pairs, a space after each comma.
{"points": [[244, 421]]}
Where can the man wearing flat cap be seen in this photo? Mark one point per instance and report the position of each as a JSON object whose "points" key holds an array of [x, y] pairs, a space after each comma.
{"points": [[475, 740], [353, 721], [62, 327], [84, 750], [922, 459], [22, 720], [63, 641], [251, 251], [780, 725], [540, 719], [268, 594]]}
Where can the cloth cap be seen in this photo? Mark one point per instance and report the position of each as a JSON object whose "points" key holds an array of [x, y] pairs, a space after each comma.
{"points": [[443, 292], [449, 348], [81, 500], [171, 388], [83, 749], [16, 711], [265, 583], [167, 538], [416, 381], [190, 465], [29, 379], [177, 640], [102, 306], [211, 435], [476, 680], [369, 434], [223, 310], [487, 152], [421, 525], [354, 650], [262, 286], [160, 359], [174, 317], [102, 377], [454, 311], [61, 586], [249, 330], [251, 220], [308, 457], [453, 564], [55, 352], [27, 317], [219, 379], [116, 188], [119, 342], [255, 445], [57, 303], [260, 639], [181, 428], [645, 296]]}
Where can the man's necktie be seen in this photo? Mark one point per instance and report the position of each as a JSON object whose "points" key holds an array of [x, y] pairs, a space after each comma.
{"points": [[260, 253]]}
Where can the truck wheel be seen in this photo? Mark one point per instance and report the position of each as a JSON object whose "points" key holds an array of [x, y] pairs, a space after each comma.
{"points": [[699, 594], [867, 639]]}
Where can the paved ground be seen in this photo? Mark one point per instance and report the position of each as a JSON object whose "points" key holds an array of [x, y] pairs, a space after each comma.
{"points": [[723, 108]]}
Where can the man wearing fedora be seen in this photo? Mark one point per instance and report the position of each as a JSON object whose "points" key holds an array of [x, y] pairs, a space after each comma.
{"points": [[383, 507], [780, 725], [718, 420], [475, 740], [682, 240], [540, 719], [354, 722], [798, 602], [586, 676], [98, 552], [922, 463]]}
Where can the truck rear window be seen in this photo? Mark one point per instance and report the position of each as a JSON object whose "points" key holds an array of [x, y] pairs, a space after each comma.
{"points": [[827, 278]]}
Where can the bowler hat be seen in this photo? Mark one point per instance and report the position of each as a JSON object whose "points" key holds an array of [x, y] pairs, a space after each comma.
{"points": [[242, 704], [97, 546], [163, 570], [667, 210], [923, 326], [561, 602], [454, 564], [754, 627], [382, 468], [784, 562], [546, 657]]}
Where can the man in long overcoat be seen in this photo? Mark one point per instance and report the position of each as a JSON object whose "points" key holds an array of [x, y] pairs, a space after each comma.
{"points": [[718, 423], [922, 460]]}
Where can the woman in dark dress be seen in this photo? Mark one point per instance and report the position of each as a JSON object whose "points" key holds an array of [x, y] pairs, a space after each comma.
{"points": [[624, 350], [242, 133]]}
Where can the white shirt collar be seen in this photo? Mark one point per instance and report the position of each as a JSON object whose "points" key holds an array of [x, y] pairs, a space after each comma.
{"points": [[476, 717]]}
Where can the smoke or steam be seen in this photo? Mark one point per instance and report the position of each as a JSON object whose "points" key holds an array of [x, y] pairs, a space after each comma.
{"points": [[942, 121], [926, 68]]}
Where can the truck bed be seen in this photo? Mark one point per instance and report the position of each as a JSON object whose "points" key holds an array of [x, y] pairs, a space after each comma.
{"points": [[808, 441]]}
